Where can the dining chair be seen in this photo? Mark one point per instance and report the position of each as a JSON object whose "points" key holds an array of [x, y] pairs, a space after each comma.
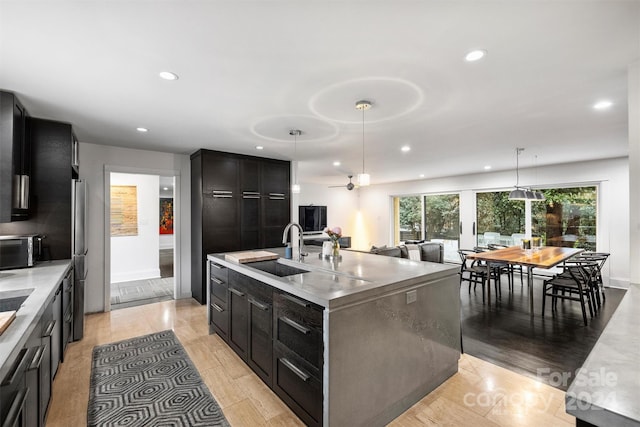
{"points": [[599, 258], [476, 273], [510, 267], [574, 284]]}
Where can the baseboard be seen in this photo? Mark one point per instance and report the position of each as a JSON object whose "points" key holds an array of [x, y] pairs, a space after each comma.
{"points": [[130, 276]]}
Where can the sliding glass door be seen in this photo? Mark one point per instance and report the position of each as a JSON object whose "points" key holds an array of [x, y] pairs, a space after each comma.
{"points": [[442, 222], [500, 221]]}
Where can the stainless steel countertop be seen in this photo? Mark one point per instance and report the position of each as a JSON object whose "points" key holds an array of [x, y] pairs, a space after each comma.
{"points": [[356, 277], [43, 279], [606, 391]]}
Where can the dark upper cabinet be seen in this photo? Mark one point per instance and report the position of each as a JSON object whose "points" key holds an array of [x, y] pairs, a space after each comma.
{"points": [[15, 160], [233, 207]]}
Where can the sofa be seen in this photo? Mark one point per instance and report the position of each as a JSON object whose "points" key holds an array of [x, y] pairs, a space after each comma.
{"points": [[428, 251]]}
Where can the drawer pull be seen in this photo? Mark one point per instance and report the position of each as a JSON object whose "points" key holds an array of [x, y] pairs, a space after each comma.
{"points": [[217, 307], [218, 281], [296, 325], [214, 265], [49, 329], [293, 368], [37, 359], [17, 407], [68, 317], [9, 379], [261, 306], [237, 292], [250, 197], [222, 194], [296, 300]]}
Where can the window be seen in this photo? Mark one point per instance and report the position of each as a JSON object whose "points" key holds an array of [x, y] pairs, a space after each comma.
{"points": [[442, 222], [408, 223], [500, 220], [567, 218]]}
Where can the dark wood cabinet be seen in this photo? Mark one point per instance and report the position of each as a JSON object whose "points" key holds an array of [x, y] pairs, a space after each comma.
{"points": [[238, 314], [218, 300], [15, 160], [237, 202], [260, 351], [52, 151]]}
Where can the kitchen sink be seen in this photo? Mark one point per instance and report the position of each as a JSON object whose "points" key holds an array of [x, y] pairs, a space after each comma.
{"points": [[13, 300], [276, 268]]}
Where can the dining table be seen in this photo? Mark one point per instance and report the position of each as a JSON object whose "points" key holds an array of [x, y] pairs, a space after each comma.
{"points": [[544, 257]]}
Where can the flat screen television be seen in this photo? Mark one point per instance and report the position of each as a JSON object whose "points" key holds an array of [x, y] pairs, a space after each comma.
{"points": [[312, 219]]}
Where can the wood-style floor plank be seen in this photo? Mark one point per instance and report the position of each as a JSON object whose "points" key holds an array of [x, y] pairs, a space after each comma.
{"points": [[480, 394]]}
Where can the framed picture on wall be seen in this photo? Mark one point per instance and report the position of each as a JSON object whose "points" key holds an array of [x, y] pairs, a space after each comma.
{"points": [[166, 215]]}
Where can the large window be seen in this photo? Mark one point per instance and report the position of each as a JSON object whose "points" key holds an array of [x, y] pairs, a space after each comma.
{"points": [[442, 222], [435, 218], [566, 218], [499, 220]]}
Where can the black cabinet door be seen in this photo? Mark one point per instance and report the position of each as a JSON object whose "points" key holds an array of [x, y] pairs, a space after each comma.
{"points": [[276, 214], [238, 314], [275, 177], [250, 203], [260, 354], [220, 172]]}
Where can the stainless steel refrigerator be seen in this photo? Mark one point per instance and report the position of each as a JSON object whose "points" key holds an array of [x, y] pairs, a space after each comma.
{"points": [[79, 251]]}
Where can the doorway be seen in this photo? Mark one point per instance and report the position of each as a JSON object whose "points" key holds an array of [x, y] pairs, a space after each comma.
{"points": [[142, 239]]}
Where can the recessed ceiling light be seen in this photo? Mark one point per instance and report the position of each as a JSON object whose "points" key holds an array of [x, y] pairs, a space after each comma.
{"points": [[421, 175], [474, 55], [143, 130], [259, 147], [487, 167], [602, 105], [406, 148], [165, 188], [168, 75], [336, 163]]}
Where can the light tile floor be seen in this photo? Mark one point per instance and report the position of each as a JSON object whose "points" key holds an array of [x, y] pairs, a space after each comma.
{"points": [[156, 290], [480, 394]]}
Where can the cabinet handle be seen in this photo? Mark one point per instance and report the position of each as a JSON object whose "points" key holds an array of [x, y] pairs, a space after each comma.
{"points": [[17, 407], [218, 281], [68, 317], [37, 359], [222, 194], [49, 330], [303, 376], [237, 292], [276, 196], [261, 306], [217, 307], [296, 325], [296, 300], [250, 197], [26, 355], [214, 265]]}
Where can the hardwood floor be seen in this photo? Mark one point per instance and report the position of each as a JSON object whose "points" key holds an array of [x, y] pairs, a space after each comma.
{"points": [[480, 394], [550, 348]]}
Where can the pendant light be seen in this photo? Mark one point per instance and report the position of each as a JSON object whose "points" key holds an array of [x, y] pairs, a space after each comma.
{"points": [[295, 188], [363, 178], [519, 193]]}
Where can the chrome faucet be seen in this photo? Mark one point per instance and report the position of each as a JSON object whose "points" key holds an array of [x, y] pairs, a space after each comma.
{"points": [[301, 252]]}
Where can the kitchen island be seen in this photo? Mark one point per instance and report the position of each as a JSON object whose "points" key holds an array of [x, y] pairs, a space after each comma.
{"points": [[355, 341]]}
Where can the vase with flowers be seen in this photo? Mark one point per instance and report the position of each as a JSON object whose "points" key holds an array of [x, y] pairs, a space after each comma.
{"points": [[334, 234]]}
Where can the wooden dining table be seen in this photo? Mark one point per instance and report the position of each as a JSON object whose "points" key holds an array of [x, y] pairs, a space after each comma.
{"points": [[543, 257]]}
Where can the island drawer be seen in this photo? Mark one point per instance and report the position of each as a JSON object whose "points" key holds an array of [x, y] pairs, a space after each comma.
{"points": [[219, 318], [298, 384], [299, 328], [218, 287], [219, 271]]}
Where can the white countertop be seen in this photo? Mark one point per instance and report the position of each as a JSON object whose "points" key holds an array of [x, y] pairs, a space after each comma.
{"points": [[357, 276], [607, 391], [43, 279]]}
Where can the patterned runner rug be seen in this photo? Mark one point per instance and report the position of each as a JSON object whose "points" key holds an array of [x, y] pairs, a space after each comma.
{"points": [[149, 381]]}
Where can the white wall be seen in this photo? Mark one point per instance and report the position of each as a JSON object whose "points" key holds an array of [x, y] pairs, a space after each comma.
{"points": [[634, 168], [94, 159], [136, 257], [166, 241], [368, 211]]}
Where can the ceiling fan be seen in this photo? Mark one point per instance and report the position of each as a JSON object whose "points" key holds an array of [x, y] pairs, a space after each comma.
{"points": [[350, 186]]}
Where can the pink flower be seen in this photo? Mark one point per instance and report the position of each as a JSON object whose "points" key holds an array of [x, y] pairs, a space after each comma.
{"points": [[337, 230], [334, 233]]}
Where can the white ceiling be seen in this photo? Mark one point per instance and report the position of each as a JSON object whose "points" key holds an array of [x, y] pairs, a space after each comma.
{"points": [[252, 70]]}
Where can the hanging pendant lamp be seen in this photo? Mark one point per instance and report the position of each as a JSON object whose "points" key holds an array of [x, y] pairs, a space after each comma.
{"points": [[295, 188], [519, 193], [363, 179]]}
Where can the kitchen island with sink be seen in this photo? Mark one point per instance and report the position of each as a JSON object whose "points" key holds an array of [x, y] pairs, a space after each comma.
{"points": [[344, 342]]}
